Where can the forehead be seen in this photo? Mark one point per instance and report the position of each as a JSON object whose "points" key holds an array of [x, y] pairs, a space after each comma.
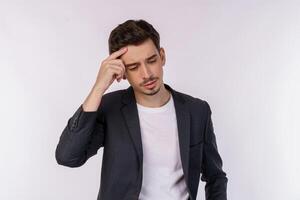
{"points": [[139, 52]]}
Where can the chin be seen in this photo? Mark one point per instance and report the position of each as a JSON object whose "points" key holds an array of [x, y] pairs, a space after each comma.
{"points": [[153, 91]]}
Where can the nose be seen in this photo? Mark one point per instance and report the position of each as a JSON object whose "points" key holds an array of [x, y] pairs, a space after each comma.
{"points": [[145, 71]]}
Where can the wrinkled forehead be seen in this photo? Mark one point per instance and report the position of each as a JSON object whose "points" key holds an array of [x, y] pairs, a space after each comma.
{"points": [[136, 53]]}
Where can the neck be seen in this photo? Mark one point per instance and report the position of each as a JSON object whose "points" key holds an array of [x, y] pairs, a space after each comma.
{"points": [[157, 100]]}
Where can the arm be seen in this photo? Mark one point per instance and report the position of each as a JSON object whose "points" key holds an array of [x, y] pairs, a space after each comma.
{"points": [[212, 173], [81, 138], [85, 130]]}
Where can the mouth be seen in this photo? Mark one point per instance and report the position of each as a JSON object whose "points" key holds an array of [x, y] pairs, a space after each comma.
{"points": [[150, 84]]}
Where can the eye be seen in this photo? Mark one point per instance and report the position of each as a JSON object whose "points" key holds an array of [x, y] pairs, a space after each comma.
{"points": [[152, 61], [132, 68]]}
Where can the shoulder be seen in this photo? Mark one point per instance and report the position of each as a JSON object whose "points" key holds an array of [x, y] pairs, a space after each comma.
{"points": [[195, 104], [117, 94], [111, 99], [193, 100]]}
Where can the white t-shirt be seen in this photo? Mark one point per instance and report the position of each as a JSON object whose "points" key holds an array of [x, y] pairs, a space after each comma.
{"points": [[162, 169]]}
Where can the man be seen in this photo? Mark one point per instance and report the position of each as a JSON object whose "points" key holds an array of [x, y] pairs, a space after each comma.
{"points": [[156, 140]]}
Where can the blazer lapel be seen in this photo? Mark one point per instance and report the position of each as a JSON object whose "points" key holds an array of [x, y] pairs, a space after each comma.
{"points": [[183, 125], [130, 114]]}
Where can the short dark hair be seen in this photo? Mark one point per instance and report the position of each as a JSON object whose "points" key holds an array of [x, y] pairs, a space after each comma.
{"points": [[132, 32]]}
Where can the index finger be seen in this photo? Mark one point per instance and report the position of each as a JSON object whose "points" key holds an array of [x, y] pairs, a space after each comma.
{"points": [[116, 54]]}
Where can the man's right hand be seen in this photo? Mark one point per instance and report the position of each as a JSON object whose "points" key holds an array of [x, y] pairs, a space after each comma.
{"points": [[111, 68]]}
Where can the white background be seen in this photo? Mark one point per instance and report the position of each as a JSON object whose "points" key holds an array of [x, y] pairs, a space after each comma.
{"points": [[240, 56]]}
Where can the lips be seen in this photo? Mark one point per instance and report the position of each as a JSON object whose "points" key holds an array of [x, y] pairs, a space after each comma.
{"points": [[149, 83]]}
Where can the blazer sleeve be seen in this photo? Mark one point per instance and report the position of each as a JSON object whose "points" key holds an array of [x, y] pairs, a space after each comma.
{"points": [[81, 138], [212, 173]]}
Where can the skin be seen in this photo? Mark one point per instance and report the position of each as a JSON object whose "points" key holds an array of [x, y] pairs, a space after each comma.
{"points": [[145, 71]]}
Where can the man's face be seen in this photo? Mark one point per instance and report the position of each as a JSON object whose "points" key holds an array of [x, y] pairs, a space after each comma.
{"points": [[143, 64]]}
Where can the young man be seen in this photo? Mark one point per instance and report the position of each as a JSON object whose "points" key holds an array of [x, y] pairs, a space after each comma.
{"points": [[156, 140]]}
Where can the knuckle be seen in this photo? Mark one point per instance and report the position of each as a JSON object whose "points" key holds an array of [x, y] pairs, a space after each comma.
{"points": [[103, 62]]}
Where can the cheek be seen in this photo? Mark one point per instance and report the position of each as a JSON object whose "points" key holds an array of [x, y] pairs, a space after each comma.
{"points": [[158, 70], [133, 78]]}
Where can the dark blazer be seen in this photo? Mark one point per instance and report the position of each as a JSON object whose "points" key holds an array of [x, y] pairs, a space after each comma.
{"points": [[115, 126]]}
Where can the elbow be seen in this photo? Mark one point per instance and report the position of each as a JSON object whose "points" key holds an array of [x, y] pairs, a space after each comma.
{"points": [[66, 160]]}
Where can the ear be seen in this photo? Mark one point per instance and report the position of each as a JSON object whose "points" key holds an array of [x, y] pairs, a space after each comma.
{"points": [[162, 55]]}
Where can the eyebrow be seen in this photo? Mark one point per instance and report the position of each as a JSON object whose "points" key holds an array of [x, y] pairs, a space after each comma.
{"points": [[130, 64]]}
